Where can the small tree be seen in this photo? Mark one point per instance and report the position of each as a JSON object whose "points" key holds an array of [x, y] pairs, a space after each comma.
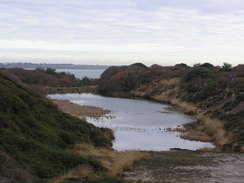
{"points": [[226, 67], [197, 65], [51, 71]]}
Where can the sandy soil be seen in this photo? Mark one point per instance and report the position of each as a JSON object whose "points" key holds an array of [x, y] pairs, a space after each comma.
{"points": [[82, 111]]}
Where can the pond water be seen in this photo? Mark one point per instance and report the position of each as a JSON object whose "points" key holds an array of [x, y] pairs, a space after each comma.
{"points": [[137, 124]]}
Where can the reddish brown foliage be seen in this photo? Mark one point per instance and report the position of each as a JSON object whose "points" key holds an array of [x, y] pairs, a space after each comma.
{"points": [[36, 77]]}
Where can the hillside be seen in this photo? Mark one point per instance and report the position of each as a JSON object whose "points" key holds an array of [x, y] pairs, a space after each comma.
{"points": [[48, 80], [48, 77], [215, 95], [34, 135]]}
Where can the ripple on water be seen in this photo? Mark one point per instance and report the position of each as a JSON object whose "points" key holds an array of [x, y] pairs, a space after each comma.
{"points": [[138, 124]]}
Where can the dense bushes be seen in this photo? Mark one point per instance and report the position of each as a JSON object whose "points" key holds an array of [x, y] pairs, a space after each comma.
{"points": [[222, 90], [52, 71], [49, 77], [202, 82], [219, 92], [119, 81]]}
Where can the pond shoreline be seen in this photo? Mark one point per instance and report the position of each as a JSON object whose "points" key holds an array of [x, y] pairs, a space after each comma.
{"points": [[182, 166], [200, 132], [134, 122], [82, 111]]}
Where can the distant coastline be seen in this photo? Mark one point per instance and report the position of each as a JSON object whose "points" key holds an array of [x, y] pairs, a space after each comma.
{"points": [[55, 66]]}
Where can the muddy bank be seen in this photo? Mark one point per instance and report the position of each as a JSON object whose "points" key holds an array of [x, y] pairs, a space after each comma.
{"points": [[82, 111], [188, 166]]}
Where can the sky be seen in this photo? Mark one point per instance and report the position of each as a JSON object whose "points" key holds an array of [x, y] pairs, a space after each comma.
{"points": [[117, 32]]}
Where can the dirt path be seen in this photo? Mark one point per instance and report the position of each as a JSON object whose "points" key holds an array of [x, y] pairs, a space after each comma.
{"points": [[188, 166]]}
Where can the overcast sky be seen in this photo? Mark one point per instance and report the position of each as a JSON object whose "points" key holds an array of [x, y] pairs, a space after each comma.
{"points": [[165, 32]]}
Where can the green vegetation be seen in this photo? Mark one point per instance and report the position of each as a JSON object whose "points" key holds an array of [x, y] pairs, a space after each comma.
{"points": [[182, 65], [206, 64], [35, 133], [222, 90], [77, 82], [58, 74], [203, 82], [226, 67]]}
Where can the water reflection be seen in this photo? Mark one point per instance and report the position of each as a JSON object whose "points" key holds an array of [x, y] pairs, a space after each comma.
{"points": [[138, 124]]}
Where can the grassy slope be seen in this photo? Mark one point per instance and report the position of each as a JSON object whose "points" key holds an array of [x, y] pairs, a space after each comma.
{"points": [[34, 133], [220, 94]]}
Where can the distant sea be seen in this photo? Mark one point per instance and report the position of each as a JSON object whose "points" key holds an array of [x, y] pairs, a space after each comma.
{"points": [[80, 73]]}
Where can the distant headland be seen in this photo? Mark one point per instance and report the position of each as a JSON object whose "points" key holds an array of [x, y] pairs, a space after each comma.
{"points": [[55, 66]]}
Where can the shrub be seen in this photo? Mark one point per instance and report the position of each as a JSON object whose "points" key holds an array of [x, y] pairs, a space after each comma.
{"points": [[195, 73], [139, 65], [226, 67], [182, 65], [208, 65]]}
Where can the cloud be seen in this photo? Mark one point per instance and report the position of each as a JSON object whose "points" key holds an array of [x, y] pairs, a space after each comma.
{"points": [[150, 30]]}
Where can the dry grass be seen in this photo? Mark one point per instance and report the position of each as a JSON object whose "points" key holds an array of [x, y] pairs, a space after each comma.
{"points": [[115, 162], [188, 108], [216, 129], [80, 171], [169, 96], [206, 149], [242, 148], [192, 134], [196, 136], [166, 85], [163, 97], [169, 93]]}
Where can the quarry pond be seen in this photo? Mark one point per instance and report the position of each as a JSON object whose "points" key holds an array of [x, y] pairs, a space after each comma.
{"points": [[137, 124]]}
